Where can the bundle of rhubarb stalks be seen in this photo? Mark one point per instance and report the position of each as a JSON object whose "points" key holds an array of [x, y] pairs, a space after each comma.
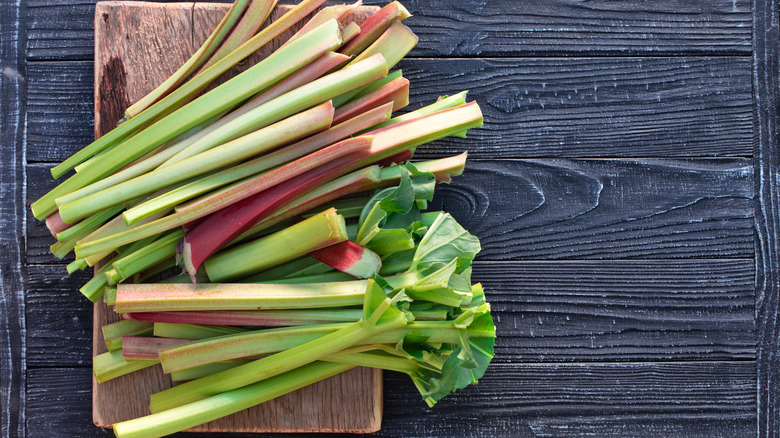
{"points": [[272, 232]]}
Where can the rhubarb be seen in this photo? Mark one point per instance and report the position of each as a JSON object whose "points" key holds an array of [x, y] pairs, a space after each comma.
{"points": [[187, 90], [264, 74]]}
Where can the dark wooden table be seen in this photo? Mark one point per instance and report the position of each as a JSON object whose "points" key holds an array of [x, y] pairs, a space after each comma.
{"points": [[625, 188]]}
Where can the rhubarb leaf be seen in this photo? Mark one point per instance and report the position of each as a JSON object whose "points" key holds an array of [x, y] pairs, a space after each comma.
{"points": [[445, 241]]}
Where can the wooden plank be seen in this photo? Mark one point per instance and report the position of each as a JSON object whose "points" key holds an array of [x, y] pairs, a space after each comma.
{"points": [[644, 400], [60, 334], [605, 107], [60, 109], [594, 107], [62, 29], [696, 400], [13, 378], [604, 209], [574, 311], [620, 311], [125, 70], [578, 209], [766, 82]]}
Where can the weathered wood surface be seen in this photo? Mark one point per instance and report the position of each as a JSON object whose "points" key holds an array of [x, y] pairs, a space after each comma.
{"points": [[674, 266], [698, 400], [13, 367], [597, 107], [62, 29], [135, 51], [767, 169]]}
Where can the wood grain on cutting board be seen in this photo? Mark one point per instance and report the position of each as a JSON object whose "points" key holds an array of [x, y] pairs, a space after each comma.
{"points": [[137, 46]]}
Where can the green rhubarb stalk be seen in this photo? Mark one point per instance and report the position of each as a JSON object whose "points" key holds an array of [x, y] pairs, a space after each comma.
{"points": [[202, 371], [156, 297], [304, 75], [394, 44], [306, 96], [318, 278], [380, 314], [179, 357], [346, 97], [196, 60], [321, 230], [94, 288], [257, 318], [220, 405], [280, 64], [157, 269], [257, 165], [255, 15], [187, 90], [77, 265], [289, 129], [144, 258], [109, 295], [301, 266], [441, 104], [113, 333], [107, 366]]}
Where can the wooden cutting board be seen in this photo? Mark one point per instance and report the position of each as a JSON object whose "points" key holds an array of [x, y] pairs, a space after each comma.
{"points": [[137, 46]]}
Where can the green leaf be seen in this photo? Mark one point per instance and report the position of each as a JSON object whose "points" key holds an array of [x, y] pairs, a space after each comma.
{"points": [[445, 241]]}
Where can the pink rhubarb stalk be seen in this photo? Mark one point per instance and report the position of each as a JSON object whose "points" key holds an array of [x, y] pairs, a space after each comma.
{"points": [[251, 318], [395, 92], [298, 177], [350, 258], [146, 347], [338, 12], [374, 27], [55, 224]]}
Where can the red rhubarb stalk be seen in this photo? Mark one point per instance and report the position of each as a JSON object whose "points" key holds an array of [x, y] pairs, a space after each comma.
{"points": [[374, 26], [350, 258], [299, 176], [396, 91], [146, 347], [55, 224], [254, 17]]}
